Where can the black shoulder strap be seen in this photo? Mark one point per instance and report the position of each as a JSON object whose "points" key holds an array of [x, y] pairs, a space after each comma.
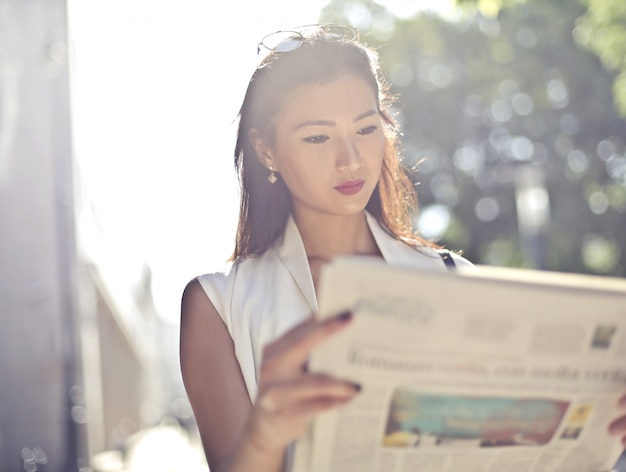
{"points": [[447, 260]]}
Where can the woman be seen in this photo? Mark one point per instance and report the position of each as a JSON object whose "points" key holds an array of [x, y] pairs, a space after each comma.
{"points": [[317, 157]]}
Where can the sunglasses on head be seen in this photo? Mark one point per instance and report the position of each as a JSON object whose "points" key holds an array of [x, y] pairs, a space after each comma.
{"points": [[290, 40]]}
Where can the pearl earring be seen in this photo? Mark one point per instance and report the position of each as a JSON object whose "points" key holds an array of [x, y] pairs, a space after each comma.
{"points": [[272, 177]]}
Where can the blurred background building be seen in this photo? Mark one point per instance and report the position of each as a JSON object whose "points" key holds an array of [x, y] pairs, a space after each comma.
{"points": [[86, 362]]}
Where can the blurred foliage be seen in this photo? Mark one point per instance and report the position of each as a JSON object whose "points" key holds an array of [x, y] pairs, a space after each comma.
{"points": [[508, 119], [601, 29]]}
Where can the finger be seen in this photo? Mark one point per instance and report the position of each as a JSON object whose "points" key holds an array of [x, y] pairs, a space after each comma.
{"points": [[309, 332], [282, 396], [291, 350], [622, 401], [312, 407], [618, 426], [304, 408]]}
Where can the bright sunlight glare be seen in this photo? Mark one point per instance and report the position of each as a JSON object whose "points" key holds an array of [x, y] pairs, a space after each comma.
{"points": [[156, 86]]}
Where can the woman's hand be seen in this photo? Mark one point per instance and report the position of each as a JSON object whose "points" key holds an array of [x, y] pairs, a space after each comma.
{"points": [[290, 396], [618, 426]]}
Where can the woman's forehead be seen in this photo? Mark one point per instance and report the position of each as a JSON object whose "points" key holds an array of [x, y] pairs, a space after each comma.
{"points": [[345, 94]]}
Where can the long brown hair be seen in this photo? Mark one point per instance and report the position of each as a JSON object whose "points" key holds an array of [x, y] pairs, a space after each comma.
{"points": [[265, 208]]}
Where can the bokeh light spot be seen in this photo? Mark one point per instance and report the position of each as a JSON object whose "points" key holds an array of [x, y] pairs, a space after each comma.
{"points": [[557, 93], [358, 15], [469, 159], [501, 111], [577, 161], [600, 254], [616, 167], [598, 202], [433, 221], [522, 104], [521, 148], [606, 149], [434, 75], [383, 26], [487, 209], [526, 38]]}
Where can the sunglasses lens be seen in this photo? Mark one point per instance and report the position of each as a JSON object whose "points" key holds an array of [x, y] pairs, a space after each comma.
{"points": [[288, 45], [283, 41]]}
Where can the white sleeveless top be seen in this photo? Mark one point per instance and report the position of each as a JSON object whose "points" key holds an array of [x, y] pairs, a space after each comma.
{"points": [[262, 297]]}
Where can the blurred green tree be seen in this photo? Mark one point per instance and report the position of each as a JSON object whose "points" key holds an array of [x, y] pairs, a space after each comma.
{"points": [[601, 29], [509, 123]]}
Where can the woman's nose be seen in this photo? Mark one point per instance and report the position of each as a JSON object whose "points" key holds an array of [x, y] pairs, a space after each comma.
{"points": [[348, 157]]}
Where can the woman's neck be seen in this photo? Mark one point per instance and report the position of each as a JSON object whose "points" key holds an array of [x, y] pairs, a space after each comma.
{"points": [[327, 236]]}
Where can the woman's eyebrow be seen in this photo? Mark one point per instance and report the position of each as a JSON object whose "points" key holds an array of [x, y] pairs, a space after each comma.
{"points": [[362, 116], [365, 115], [315, 123]]}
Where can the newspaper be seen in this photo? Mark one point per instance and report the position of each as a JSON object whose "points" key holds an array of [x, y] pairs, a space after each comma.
{"points": [[484, 370]]}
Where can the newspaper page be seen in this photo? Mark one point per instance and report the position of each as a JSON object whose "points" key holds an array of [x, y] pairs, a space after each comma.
{"points": [[486, 370]]}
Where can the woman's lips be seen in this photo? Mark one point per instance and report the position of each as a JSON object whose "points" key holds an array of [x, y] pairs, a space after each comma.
{"points": [[350, 187]]}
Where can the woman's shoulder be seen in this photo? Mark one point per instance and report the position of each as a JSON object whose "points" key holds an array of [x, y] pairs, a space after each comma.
{"points": [[239, 268], [219, 284], [209, 285], [212, 280]]}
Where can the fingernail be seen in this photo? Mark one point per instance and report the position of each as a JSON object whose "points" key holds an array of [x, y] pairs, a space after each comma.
{"points": [[357, 387], [344, 316]]}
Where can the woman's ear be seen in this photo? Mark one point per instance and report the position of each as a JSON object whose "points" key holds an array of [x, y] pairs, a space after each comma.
{"points": [[261, 148]]}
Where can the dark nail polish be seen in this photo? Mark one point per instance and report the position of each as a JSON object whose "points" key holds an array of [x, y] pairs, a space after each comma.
{"points": [[357, 387], [345, 316]]}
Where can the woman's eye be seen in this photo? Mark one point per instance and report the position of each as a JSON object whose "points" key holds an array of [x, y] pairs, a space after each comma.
{"points": [[368, 130], [318, 139]]}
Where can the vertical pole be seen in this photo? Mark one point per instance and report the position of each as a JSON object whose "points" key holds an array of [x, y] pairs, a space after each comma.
{"points": [[533, 213]]}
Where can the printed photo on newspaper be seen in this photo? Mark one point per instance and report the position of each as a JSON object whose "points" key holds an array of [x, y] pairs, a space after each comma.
{"points": [[480, 370]]}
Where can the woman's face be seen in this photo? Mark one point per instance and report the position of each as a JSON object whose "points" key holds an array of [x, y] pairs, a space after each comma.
{"points": [[329, 146]]}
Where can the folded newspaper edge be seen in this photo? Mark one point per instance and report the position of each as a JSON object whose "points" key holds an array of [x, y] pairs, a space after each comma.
{"points": [[482, 369]]}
